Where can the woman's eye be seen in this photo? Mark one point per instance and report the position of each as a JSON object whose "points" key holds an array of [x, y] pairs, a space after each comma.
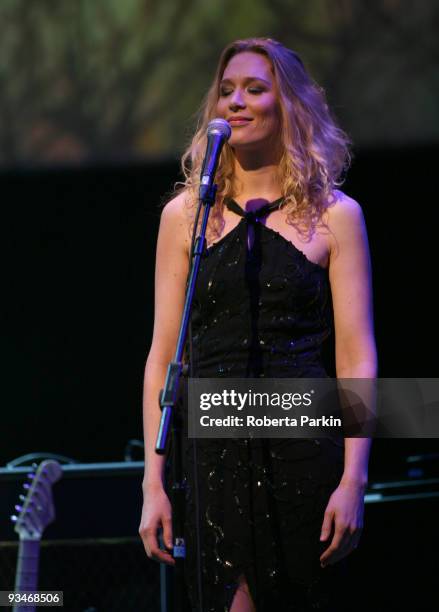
{"points": [[251, 90]]}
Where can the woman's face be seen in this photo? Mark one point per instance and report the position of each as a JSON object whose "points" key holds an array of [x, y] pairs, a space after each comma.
{"points": [[248, 100]]}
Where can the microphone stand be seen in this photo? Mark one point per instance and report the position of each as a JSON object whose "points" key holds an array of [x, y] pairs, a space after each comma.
{"points": [[173, 598]]}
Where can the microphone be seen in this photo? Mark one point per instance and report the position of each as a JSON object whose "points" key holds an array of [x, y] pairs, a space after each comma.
{"points": [[218, 131]]}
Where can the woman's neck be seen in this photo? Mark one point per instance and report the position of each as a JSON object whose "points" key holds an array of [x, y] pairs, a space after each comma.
{"points": [[256, 178]]}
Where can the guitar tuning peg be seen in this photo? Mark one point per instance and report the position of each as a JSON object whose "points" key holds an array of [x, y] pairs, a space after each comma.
{"points": [[18, 507], [22, 497], [34, 465], [14, 518], [26, 486], [31, 475]]}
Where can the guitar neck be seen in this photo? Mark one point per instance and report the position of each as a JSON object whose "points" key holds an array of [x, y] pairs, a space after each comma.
{"points": [[26, 577]]}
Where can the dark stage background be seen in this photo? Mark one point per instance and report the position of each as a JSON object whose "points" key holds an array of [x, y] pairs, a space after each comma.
{"points": [[78, 291]]}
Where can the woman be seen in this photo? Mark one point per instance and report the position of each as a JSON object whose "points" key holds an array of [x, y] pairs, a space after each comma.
{"points": [[277, 517]]}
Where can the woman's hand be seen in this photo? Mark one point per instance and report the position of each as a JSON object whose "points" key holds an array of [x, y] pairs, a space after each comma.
{"points": [[346, 510], [156, 514]]}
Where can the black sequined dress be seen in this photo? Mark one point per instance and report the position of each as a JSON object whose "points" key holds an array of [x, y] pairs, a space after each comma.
{"points": [[264, 311]]}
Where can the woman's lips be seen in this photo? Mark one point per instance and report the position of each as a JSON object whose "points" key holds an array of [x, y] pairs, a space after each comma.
{"points": [[239, 121]]}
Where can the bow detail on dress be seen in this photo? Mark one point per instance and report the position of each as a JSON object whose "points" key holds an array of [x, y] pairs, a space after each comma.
{"points": [[253, 216]]}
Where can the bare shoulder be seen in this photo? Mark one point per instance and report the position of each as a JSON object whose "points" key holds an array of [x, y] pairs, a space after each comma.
{"points": [[344, 209], [344, 219], [175, 211], [175, 220]]}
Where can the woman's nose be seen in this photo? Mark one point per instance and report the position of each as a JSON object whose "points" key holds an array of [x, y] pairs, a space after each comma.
{"points": [[236, 100]]}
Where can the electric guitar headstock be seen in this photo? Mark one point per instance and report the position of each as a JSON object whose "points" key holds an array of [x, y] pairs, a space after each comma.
{"points": [[36, 509]]}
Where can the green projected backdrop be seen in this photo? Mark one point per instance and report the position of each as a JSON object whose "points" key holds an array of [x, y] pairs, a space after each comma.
{"points": [[105, 80]]}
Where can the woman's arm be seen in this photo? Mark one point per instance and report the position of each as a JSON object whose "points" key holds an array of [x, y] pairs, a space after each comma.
{"points": [[170, 286], [355, 352]]}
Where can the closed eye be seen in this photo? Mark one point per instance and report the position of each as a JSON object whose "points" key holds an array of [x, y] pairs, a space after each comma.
{"points": [[252, 90]]}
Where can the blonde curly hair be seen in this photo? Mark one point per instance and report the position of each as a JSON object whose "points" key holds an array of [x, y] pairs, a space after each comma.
{"points": [[316, 152]]}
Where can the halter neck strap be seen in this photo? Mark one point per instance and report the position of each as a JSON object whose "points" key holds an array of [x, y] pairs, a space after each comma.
{"points": [[252, 216]]}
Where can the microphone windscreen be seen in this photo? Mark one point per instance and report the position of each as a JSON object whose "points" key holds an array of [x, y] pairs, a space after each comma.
{"points": [[219, 126]]}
